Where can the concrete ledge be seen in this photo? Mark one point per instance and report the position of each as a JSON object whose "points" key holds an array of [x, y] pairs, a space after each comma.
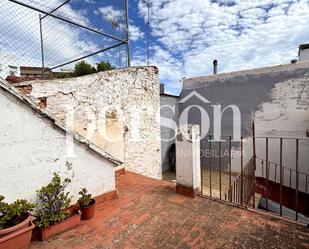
{"points": [[101, 199], [120, 172], [186, 191]]}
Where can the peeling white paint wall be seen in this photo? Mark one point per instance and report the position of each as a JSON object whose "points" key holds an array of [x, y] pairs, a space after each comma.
{"points": [[276, 98], [286, 115], [132, 125], [31, 149]]}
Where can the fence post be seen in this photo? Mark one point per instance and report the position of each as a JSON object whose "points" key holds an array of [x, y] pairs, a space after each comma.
{"points": [[42, 48], [128, 33], [188, 163], [241, 171], [254, 162]]}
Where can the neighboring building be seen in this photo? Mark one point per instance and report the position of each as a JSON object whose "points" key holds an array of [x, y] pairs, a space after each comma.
{"points": [[117, 110], [8, 66], [33, 146], [169, 111], [303, 52], [35, 72], [276, 98]]}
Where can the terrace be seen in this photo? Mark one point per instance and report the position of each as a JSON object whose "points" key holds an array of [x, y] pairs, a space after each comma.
{"points": [[149, 214]]}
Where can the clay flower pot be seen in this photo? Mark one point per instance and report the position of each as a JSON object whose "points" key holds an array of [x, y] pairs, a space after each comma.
{"points": [[58, 228], [89, 211], [18, 236]]}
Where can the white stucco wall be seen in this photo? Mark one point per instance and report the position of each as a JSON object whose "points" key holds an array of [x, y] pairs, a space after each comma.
{"points": [[32, 148], [188, 164], [134, 128]]}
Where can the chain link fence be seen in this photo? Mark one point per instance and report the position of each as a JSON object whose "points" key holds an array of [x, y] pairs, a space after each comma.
{"points": [[56, 34]]}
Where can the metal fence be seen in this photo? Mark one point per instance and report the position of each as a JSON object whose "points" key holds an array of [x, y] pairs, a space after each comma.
{"points": [[56, 34], [269, 174]]}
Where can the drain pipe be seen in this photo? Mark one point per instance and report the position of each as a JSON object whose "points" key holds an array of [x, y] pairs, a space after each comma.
{"points": [[215, 62]]}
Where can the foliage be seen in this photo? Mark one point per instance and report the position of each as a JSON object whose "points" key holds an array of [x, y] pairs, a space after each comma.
{"points": [[104, 66], [83, 68], [63, 75], [85, 198], [52, 202], [12, 214]]}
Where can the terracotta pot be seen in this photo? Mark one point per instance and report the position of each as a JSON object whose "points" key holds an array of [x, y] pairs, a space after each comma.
{"points": [[88, 212], [58, 228], [18, 236]]}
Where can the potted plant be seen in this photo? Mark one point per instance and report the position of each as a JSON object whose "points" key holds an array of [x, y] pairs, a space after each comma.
{"points": [[53, 215], [87, 204], [15, 224]]}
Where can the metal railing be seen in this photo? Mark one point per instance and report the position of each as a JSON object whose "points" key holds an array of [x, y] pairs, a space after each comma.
{"points": [[260, 177], [275, 167], [242, 195]]}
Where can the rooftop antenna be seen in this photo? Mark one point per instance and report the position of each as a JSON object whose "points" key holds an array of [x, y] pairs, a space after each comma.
{"points": [[148, 3]]}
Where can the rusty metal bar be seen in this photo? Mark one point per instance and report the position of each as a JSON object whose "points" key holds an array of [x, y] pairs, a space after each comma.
{"points": [[202, 155], [241, 171], [266, 173], [234, 192], [296, 176], [290, 178], [281, 177], [306, 187], [254, 161], [210, 192], [262, 162], [220, 170], [230, 162], [276, 172]]}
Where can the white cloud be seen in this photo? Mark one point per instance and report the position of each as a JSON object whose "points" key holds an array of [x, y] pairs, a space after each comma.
{"points": [[111, 14], [135, 33], [240, 34], [20, 37]]}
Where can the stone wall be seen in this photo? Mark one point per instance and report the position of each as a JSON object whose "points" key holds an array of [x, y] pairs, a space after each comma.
{"points": [[117, 110], [32, 148]]}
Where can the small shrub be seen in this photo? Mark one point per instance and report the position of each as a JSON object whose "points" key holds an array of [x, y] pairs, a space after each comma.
{"points": [[14, 213], [52, 202], [83, 68], [104, 66], [85, 199]]}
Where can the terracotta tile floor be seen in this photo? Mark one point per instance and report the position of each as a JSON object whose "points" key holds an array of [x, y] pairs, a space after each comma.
{"points": [[148, 214]]}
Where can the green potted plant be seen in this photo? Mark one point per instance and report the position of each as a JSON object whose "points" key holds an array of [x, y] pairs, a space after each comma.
{"points": [[53, 215], [15, 224], [86, 204]]}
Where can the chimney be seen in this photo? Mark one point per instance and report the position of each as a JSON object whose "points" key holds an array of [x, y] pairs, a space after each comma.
{"points": [[161, 88], [215, 62]]}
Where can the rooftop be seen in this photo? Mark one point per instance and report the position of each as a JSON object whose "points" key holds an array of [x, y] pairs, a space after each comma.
{"points": [[149, 214], [304, 46], [30, 102]]}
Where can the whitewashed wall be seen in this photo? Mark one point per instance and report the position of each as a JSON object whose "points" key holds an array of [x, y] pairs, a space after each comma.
{"points": [[31, 149], [134, 128]]}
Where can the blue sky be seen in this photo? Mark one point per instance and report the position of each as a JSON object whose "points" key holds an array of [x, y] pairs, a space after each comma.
{"points": [[186, 35]]}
